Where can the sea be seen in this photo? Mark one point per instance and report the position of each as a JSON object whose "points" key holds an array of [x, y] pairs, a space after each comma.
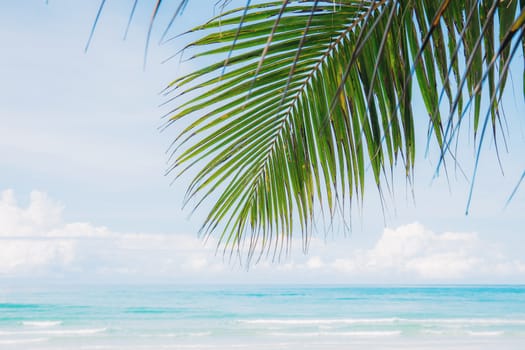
{"points": [[262, 317]]}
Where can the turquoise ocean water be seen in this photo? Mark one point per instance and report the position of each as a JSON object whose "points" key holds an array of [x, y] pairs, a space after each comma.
{"points": [[262, 317]]}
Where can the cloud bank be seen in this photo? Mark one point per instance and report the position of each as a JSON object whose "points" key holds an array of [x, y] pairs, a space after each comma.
{"points": [[36, 242], [413, 250]]}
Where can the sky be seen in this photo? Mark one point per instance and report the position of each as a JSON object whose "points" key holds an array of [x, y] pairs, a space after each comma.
{"points": [[84, 198]]}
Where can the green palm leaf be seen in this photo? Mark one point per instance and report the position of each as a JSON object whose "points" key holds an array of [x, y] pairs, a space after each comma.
{"points": [[305, 95]]}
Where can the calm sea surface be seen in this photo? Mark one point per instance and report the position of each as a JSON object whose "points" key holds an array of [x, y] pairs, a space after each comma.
{"points": [[263, 317]]}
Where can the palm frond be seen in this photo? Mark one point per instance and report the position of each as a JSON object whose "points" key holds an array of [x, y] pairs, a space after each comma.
{"points": [[95, 22], [303, 96]]}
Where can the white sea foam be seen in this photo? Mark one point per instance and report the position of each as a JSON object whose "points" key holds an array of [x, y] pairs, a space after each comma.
{"points": [[53, 332], [371, 334], [21, 341], [41, 323], [433, 332], [477, 321], [161, 335], [175, 335], [199, 334], [485, 334], [366, 333], [392, 320], [321, 321]]}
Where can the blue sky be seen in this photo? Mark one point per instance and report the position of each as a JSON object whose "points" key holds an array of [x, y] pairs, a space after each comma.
{"points": [[84, 196]]}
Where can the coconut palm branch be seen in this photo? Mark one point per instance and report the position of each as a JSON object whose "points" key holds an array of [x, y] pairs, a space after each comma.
{"points": [[302, 97]]}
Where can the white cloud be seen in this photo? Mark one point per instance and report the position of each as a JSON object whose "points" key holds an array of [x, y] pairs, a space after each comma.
{"points": [[430, 255], [35, 241], [31, 256], [314, 263], [41, 215], [414, 251], [408, 254]]}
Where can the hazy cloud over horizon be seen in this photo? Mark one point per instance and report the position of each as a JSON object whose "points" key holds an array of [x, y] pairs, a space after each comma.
{"points": [[37, 242]]}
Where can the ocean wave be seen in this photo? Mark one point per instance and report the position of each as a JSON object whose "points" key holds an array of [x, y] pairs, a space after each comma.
{"points": [[387, 321], [432, 332], [477, 321], [199, 334], [485, 333], [41, 323], [175, 335], [61, 332], [462, 332], [321, 321], [371, 334], [21, 341]]}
